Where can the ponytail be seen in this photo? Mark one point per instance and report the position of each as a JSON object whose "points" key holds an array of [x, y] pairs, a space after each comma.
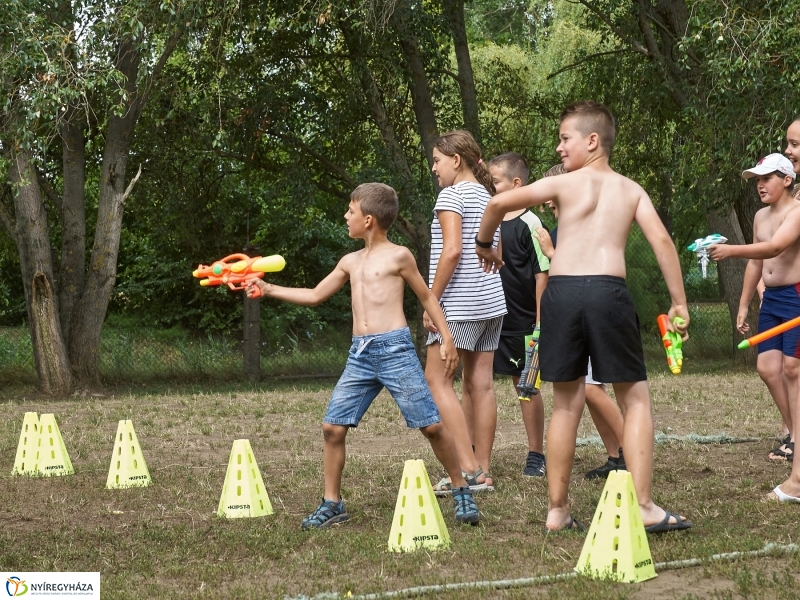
{"points": [[484, 176], [462, 143]]}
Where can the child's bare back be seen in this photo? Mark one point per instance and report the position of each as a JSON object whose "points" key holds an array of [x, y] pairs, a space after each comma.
{"points": [[596, 208]]}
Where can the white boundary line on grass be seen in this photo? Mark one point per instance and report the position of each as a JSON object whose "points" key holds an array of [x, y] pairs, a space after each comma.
{"points": [[499, 584]]}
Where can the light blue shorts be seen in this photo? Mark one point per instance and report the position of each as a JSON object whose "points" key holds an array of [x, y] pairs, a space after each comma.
{"points": [[377, 361]]}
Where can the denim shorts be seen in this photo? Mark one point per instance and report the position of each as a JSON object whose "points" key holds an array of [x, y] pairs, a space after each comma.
{"points": [[377, 361]]}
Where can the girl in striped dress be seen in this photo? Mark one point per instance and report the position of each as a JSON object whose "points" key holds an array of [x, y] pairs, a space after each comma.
{"points": [[473, 305]]}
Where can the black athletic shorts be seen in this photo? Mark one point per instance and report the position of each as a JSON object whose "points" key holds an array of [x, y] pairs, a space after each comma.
{"points": [[590, 316], [509, 358]]}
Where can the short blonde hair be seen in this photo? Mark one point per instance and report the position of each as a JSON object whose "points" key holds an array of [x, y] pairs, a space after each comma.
{"points": [[555, 170]]}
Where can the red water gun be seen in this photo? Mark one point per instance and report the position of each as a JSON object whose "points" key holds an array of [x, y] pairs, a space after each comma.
{"points": [[237, 270]]}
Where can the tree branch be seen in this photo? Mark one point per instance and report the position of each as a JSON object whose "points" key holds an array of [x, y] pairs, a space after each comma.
{"points": [[331, 166], [647, 32], [132, 183], [329, 190], [587, 59], [407, 230], [447, 72], [169, 48], [650, 39], [635, 44], [6, 218], [48, 189]]}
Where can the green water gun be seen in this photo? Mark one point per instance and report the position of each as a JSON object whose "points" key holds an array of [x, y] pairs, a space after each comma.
{"points": [[673, 343]]}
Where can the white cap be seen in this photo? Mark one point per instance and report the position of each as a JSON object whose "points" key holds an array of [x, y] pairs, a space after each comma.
{"points": [[770, 164]]}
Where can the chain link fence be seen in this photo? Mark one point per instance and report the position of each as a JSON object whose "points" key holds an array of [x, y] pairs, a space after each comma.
{"points": [[142, 355], [711, 331]]}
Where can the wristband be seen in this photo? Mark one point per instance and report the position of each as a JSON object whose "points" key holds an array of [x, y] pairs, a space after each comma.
{"points": [[481, 244]]}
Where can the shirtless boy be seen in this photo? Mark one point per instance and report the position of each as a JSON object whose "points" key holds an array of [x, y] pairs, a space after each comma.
{"points": [[382, 353], [587, 312], [774, 257]]}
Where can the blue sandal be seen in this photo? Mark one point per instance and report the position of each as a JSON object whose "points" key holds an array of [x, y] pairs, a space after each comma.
{"points": [[329, 513], [465, 507]]}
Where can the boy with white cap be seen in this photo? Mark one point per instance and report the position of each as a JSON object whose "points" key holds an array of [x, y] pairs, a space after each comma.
{"points": [[774, 256]]}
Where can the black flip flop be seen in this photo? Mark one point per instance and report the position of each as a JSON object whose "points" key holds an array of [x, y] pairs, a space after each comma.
{"points": [[784, 452], [664, 526]]}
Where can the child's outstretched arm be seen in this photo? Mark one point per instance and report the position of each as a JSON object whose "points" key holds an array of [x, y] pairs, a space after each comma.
{"points": [[305, 296], [667, 257], [410, 273], [785, 236], [535, 193]]}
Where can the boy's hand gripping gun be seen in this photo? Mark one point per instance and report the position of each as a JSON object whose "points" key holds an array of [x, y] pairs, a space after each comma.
{"points": [[673, 343], [530, 380], [700, 247], [237, 270]]}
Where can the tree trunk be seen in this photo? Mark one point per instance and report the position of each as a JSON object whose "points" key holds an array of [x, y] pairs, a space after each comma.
{"points": [[73, 225], [731, 276], [417, 229], [454, 13], [33, 243], [421, 99], [748, 203], [84, 347], [50, 352], [252, 339]]}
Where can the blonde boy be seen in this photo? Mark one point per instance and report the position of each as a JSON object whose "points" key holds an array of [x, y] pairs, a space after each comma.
{"points": [[382, 353], [587, 312]]}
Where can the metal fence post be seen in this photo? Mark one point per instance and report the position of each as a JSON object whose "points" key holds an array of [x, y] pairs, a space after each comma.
{"points": [[252, 339]]}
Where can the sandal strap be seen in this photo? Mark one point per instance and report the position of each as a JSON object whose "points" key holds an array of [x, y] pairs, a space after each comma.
{"points": [[472, 478], [464, 502], [325, 511]]}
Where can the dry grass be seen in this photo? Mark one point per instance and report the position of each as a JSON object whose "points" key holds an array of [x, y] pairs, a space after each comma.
{"points": [[164, 541]]}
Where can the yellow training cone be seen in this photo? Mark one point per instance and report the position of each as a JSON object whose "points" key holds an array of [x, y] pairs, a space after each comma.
{"points": [[616, 546], [53, 456], [27, 459], [128, 467], [243, 494], [418, 521]]}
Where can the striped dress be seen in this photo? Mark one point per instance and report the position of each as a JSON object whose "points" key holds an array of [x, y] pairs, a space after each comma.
{"points": [[471, 295]]}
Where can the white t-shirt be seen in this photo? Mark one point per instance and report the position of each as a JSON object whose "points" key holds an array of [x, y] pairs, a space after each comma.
{"points": [[471, 295]]}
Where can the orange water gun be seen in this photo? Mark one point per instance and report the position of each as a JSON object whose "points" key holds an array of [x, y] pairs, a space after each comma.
{"points": [[237, 270], [765, 335], [673, 343]]}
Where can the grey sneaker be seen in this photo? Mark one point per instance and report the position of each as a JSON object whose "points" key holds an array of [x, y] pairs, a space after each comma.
{"points": [[534, 465]]}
